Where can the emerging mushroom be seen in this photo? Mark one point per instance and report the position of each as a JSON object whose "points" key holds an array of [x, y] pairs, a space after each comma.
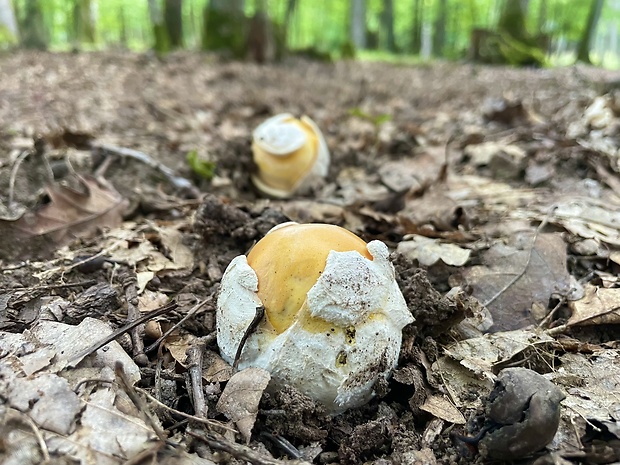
{"points": [[291, 155], [333, 312]]}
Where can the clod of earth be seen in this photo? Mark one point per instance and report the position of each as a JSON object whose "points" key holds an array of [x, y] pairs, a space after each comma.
{"points": [[523, 414], [333, 313], [291, 155]]}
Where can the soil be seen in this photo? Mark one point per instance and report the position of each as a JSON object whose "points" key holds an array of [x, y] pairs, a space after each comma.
{"points": [[62, 108]]}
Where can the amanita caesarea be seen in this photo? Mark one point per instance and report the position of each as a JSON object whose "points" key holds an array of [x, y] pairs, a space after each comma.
{"points": [[333, 312], [291, 154]]}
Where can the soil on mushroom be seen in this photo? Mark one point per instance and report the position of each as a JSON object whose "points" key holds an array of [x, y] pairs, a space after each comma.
{"points": [[184, 102]]}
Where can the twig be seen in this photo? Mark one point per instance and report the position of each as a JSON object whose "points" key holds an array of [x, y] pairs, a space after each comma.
{"points": [[160, 311], [258, 316], [189, 314], [240, 451], [283, 443], [185, 415], [48, 287], [35, 430], [119, 371], [18, 161], [194, 367], [177, 181], [130, 286]]}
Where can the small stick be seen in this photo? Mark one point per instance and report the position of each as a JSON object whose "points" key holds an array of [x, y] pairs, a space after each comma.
{"points": [[240, 451], [119, 371], [260, 313], [190, 314], [177, 181], [18, 161], [49, 286], [35, 430], [160, 311], [130, 285], [185, 415], [194, 367]]}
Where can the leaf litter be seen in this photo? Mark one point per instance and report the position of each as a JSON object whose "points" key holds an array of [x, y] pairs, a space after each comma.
{"points": [[497, 189]]}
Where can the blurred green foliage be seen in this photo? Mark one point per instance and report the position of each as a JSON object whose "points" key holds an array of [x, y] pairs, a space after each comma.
{"points": [[323, 25]]}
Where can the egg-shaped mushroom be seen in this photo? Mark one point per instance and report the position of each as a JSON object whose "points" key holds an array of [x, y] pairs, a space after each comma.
{"points": [[290, 154], [333, 312]]}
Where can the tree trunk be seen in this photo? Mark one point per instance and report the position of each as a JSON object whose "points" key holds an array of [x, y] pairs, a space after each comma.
{"points": [[8, 23], [416, 28], [83, 22], [160, 34], [224, 27], [34, 31], [583, 51], [358, 23], [512, 19], [387, 24], [291, 6], [439, 32], [542, 16], [261, 44], [173, 20]]}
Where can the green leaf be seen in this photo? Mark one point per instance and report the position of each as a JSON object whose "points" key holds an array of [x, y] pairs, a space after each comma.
{"points": [[377, 120], [203, 168]]}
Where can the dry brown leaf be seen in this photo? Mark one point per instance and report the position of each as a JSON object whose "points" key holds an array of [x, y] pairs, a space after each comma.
{"points": [[71, 213], [599, 306], [441, 407], [514, 277], [75, 213], [241, 396], [429, 251]]}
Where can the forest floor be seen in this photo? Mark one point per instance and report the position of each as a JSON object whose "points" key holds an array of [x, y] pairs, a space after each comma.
{"points": [[497, 190]]}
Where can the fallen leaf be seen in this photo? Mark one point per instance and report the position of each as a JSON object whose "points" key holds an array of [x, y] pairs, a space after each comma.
{"points": [[513, 277], [585, 218], [241, 396], [441, 407], [71, 213], [429, 251], [599, 306]]}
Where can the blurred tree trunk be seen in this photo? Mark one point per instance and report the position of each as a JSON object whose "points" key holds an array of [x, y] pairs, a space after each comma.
{"points": [[123, 24], [512, 19], [83, 21], [173, 20], [439, 30], [8, 23], [416, 28], [358, 23], [160, 34], [34, 30], [261, 44], [387, 24], [291, 6], [542, 15], [224, 26], [583, 51]]}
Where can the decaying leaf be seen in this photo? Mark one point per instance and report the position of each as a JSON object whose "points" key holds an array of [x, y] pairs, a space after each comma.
{"points": [[429, 251], [441, 407], [241, 396], [413, 173], [71, 213], [588, 219], [482, 354], [84, 425], [599, 306], [514, 277]]}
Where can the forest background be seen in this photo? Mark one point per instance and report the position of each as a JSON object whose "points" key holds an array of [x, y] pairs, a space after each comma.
{"points": [[519, 32]]}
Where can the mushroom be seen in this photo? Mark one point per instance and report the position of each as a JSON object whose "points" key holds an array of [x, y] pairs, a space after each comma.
{"points": [[333, 313], [291, 155]]}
